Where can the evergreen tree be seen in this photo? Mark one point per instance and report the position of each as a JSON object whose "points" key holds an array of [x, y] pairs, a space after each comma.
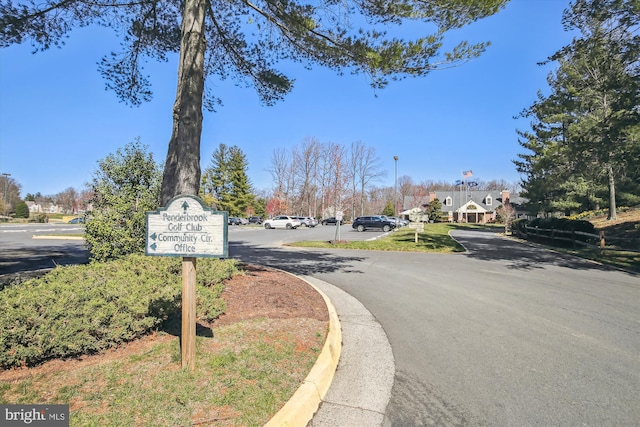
{"points": [[241, 195], [585, 130], [226, 182], [22, 210], [388, 209], [125, 186], [434, 210]]}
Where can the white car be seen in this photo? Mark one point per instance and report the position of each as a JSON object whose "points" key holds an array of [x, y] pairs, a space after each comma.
{"points": [[282, 221]]}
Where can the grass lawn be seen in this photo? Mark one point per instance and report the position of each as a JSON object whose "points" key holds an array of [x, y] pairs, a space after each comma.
{"points": [[244, 375], [622, 259], [435, 238]]}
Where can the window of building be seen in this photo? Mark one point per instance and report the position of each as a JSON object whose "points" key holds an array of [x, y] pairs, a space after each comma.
{"points": [[488, 201], [448, 201]]}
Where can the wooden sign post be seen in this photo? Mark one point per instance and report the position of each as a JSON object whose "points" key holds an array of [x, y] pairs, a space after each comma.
{"points": [[416, 216], [188, 341], [187, 228], [418, 227]]}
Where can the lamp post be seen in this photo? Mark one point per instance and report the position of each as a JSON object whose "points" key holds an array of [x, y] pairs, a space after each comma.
{"points": [[395, 193], [6, 184]]}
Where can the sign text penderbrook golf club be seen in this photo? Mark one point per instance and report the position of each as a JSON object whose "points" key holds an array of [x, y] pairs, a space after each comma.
{"points": [[187, 228]]}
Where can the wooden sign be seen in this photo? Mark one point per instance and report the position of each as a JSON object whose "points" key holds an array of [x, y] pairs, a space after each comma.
{"points": [[418, 226], [187, 228]]}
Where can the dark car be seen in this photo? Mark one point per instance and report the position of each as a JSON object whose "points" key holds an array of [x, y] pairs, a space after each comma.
{"points": [[331, 220], [234, 221], [373, 222], [255, 220]]}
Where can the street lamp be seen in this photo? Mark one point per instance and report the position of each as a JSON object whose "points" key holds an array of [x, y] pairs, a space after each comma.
{"points": [[395, 194], [6, 184]]}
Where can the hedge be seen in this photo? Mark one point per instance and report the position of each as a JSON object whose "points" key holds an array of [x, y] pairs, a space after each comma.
{"points": [[76, 310]]}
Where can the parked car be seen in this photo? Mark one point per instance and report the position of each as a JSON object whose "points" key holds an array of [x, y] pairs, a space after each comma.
{"points": [[282, 221], [244, 221], [331, 220], [307, 221], [311, 221], [77, 220], [234, 221], [399, 222], [255, 220], [372, 222]]}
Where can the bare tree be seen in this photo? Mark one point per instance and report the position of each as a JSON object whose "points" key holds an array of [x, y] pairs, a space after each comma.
{"points": [[336, 177], [405, 188], [306, 160], [378, 198], [10, 193], [280, 169], [67, 200], [323, 176], [365, 168]]}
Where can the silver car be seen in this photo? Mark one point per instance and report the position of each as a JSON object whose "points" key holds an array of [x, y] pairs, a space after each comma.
{"points": [[307, 221], [282, 221], [311, 221]]}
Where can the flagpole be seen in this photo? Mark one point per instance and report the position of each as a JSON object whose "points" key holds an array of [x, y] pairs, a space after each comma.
{"points": [[461, 185]]}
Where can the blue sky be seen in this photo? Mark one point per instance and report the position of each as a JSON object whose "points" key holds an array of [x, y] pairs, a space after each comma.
{"points": [[57, 120]]}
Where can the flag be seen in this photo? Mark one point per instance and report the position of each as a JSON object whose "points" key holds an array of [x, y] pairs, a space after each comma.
{"points": [[467, 174], [472, 183], [458, 182]]}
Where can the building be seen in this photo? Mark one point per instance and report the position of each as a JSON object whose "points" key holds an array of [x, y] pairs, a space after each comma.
{"points": [[472, 206]]}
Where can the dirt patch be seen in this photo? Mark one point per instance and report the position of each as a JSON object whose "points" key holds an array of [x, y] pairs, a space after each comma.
{"points": [[264, 292]]}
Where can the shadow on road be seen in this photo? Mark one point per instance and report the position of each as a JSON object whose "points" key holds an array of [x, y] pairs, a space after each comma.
{"points": [[28, 259], [488, 245], [293, 260]]}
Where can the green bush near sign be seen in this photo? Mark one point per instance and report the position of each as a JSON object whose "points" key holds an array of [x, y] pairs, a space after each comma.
{"points": [[84, 309]]}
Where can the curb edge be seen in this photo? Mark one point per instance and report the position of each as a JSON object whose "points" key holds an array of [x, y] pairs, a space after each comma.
{"points": [[304, 403]]}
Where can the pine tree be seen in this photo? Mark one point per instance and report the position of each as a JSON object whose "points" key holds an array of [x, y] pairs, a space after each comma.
{"points": [[585, 130], [226, 180], [22, 210]]}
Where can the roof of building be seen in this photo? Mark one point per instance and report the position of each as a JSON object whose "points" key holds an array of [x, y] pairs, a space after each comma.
{"points": [[487, 200]]}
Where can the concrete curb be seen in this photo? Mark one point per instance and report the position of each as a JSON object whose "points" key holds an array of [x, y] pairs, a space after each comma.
{"points": [[361, 387], [304, 403]]}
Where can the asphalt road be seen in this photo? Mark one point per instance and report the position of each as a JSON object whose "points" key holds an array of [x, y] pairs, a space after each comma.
{"points": [[29, 247], [506, 334]]}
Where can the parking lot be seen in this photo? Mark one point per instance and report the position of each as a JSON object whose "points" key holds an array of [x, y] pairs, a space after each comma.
{"points": [[320, 232]]}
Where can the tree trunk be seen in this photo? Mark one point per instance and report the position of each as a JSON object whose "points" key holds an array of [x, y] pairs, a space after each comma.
{"points": [[612, 194], [182, 167]]}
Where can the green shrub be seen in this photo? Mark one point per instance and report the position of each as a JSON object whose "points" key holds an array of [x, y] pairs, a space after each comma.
{"points": [[519, 225], [22, 210], [563, 224], [125, 186], [76, 310], [40, 218]]}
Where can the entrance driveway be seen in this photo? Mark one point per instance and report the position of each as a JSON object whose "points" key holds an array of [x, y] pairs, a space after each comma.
{"points": [[505, 334]]}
